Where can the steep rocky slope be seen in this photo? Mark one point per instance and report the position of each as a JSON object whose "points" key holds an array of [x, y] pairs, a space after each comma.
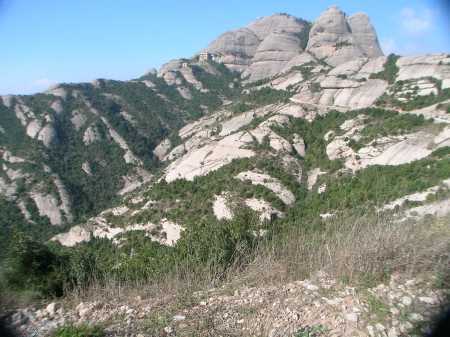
{"points": [[69, 152], [280, 124], [273, 150], [320, 307]]}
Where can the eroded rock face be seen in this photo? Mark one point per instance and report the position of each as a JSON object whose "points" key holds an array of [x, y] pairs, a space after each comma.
{"points": [[273, 184], [47, 135], [74, 236], [78, 119], [7, 100], [365, 35], [339, 39], [263, 27], [236, 48], [390, 150], [415, 67], [264, 208], [48, 206], [273, 54], [262, 48], [166, 232], [134, 179], [162, 149], [210, 157]]}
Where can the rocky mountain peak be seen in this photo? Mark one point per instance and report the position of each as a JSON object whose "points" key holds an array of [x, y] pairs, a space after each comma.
{"points": [[337, 38], [364, 34], [280, 22], [267, 45]]}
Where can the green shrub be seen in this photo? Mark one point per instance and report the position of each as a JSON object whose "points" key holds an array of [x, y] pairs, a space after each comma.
{"points": [[311, 331], [219, 245], [79, 331], [315, 87], [384, 122], [418, 102], [305, 70], [265, 96], [32, 266], [390, 70]]}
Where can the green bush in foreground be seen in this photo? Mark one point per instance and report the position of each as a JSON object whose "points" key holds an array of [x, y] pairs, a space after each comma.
{"points": [[79, 331]]}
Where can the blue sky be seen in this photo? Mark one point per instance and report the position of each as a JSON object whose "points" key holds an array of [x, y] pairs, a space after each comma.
{"points": [[50, 41]]}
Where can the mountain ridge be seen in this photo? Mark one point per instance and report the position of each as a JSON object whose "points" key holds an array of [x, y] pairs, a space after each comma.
{"points": [[285, 149], [194, 84]]}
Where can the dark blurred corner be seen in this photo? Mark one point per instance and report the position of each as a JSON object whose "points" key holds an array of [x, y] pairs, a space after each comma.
{"points": [[442, 327], [444, 8], [4, 331]]}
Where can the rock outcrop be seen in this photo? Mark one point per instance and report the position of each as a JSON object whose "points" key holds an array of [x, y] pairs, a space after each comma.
{"points": [[416, 67], [235, 49], [262, 48], [336, 39], [364, 35], [273, 53]]}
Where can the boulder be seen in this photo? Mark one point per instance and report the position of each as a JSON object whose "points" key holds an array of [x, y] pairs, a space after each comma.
{"points": [[221, 209], [264, 208], [91, 135], [329, 29], [299, 145], [273, 184], [33, 128], [268, 43], [47, 135], [162, 149]]}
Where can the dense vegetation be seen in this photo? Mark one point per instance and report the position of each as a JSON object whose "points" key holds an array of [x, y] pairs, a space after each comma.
{"points": [[206, 242], [261, 97], [195, 197], [140, 115], [418, 102], [46, 269], [390, 70]]}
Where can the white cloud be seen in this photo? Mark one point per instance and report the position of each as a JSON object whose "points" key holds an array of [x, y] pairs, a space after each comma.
{"points": [[415, 22]]}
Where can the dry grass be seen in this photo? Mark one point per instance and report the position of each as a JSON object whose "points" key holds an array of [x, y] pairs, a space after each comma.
{"points": [[355, 250], [358, 250]]}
